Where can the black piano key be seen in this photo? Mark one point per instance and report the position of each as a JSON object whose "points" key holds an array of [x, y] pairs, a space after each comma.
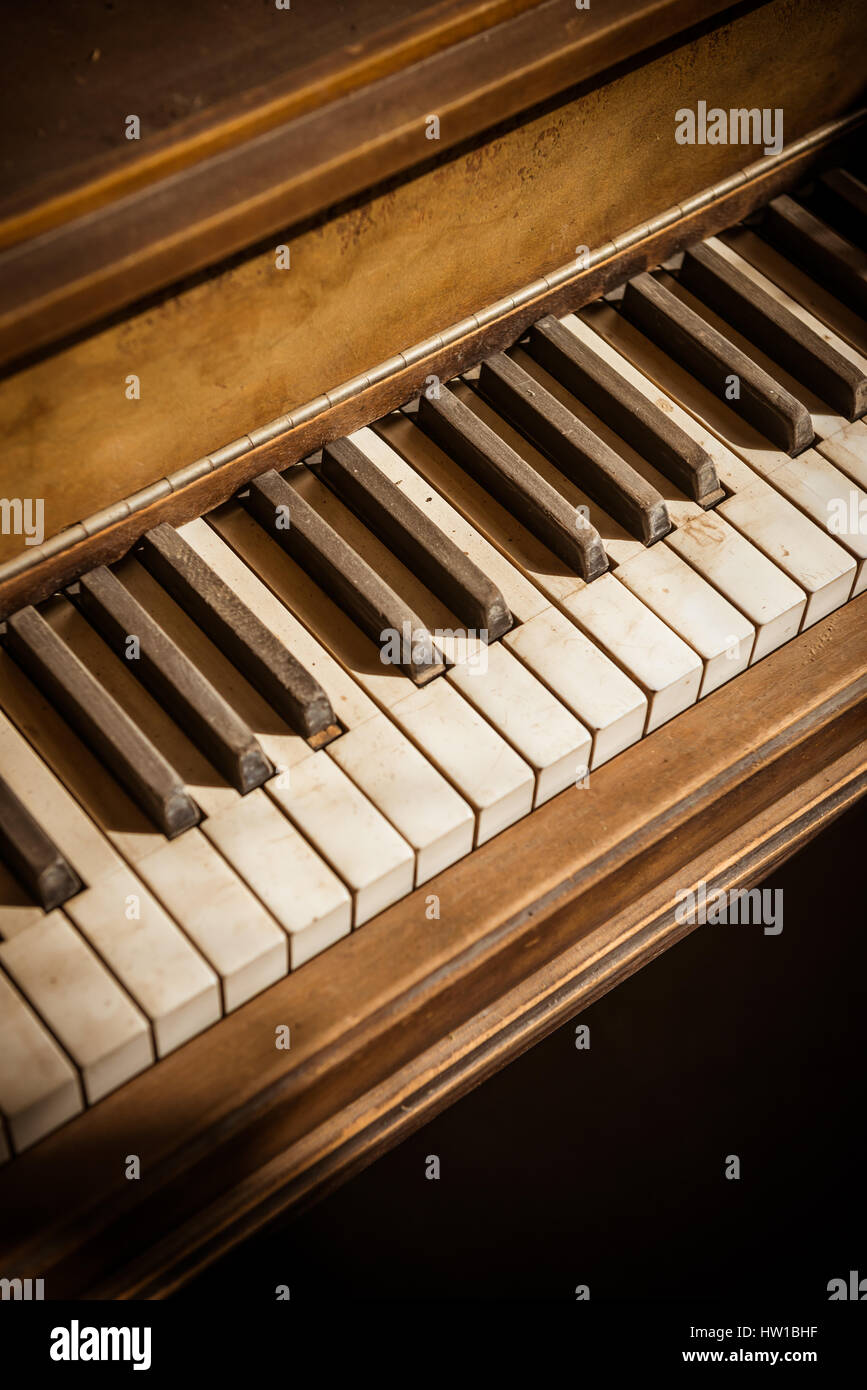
{"points": [[172, 679], [101, 722], [342, 573], [575, 449], [776, 330], [241, 636], [416, 540], [478, 449], [843, 199], [651, 432], [710, 357], [819, 250], [32, 855]]}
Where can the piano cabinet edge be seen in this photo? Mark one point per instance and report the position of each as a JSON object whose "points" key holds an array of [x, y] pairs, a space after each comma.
{"points": [[431, 1025]]}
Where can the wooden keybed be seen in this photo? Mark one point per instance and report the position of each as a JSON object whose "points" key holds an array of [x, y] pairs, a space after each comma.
{"points": [[399, 1019]]}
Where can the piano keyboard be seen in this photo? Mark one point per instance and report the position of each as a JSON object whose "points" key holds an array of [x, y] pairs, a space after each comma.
{"points": [[257, 731]]}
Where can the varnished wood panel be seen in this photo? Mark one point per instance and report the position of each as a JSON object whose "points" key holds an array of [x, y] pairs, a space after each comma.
{"points": [[229, 354], [396, 1019]]}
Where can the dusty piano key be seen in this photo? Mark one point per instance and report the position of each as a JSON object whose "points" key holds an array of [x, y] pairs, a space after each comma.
{"points": [[196, 886], [39, 1087], [145, 950], [341, 572], [842, 199], [412, 536], [741, 295], [827, 256], [150, 779], [507, 477], [333, 814], [172, 679], [31, 853], [610, 396], [481, 767], [847, 450], [606, 702], [714, 360], [703, 618], [291, 690], [794, 281], [726, 559], [803, 550], [97, 1024], [579, 453]]}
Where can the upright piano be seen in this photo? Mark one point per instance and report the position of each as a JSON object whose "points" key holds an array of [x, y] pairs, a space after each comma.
{"points": [[434, 536]]}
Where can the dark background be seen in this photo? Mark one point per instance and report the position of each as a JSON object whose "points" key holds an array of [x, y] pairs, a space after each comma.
{"points": [[606, 1167]]}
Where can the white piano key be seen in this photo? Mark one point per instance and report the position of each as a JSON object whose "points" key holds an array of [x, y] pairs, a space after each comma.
{"points": [[668, 671], [375, 863], [419, 802], [296, 885], [607, 702], [715, 630], [495, 782], [97, 1024], [230, 927], [498, 784], [771, 601], [39, 1088], [830, 499], [848, 452], [800, 548], [537, 725], [150, 956]]}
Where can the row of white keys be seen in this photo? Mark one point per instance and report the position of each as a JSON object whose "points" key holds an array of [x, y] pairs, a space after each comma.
{"points": [[809, 480], [683, 598], [427, 814], [729, 561], [305, 896], [799, 546], [521, 709], [651, 653], [611, 706], [154, 961], [461, 745]]}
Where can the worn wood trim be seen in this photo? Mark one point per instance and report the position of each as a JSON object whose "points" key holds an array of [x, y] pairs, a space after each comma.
{"points": [[406, 1012], [33, 584]]}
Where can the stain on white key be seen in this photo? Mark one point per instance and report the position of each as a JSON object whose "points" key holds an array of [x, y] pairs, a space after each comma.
{"points": [[419, 802], [305, 896], [771, 601], [610, 705], [39, 1087], [538, 726], [98, 1025], [375, 863], [498, 784], [153, 960]]}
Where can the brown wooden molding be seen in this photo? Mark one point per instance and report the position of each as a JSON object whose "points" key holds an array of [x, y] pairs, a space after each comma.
{"points": [[403, 1015], [608, 268]]}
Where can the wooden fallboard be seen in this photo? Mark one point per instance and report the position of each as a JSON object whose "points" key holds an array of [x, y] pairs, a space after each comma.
{"points": [[387, 267], [401, 1018]]}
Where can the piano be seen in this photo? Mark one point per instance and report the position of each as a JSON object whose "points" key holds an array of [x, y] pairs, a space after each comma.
{"points": [[447, 553]]}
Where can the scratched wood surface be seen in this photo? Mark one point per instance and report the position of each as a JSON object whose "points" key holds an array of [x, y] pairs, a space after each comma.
{"points": [[407, 1013]]}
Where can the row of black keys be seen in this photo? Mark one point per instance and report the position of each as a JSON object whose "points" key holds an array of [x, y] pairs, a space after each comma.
{"points": [[208, 719]]}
